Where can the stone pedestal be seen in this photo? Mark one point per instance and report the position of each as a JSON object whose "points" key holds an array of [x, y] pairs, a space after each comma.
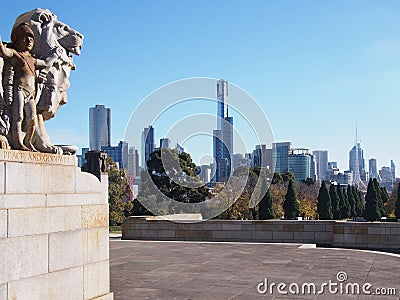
{"points": [[53, 229]]}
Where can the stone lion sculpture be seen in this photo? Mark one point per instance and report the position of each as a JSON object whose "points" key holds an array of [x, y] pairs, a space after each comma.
{"points": [[54, 42]]}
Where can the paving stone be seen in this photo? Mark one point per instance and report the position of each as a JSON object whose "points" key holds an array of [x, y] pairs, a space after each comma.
{"points": [[206, 270]]}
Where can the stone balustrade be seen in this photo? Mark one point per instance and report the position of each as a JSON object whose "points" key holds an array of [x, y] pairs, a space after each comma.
{"points": [[361, 235]]}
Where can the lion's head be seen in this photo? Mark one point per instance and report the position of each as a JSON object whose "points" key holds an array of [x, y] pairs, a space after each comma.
{"points": [[52, 38]]}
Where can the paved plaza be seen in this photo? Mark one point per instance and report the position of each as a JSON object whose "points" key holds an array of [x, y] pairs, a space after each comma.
{"points": [[205, 270]]}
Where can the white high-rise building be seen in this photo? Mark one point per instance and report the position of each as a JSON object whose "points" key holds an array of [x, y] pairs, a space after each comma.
{"points": [[321, 161], [99, 127]]}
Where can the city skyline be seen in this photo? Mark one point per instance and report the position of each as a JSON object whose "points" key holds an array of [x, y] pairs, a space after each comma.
{"points": [[316, 68], [301, 163]]}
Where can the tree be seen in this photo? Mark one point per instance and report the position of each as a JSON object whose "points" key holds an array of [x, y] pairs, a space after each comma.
{"points": [[252, 178], [265, 208], [372, 211], [309, 181], [359, 202], [120, 205], [335, 202], [174, 175], [232, 200], [277, 179], [240, 209], [324, 205], [397, 209], [307, 195], [343, 203], [288, 176], [352, 202], [291, 204], [379, 197], [385, 195], [278, 192]]}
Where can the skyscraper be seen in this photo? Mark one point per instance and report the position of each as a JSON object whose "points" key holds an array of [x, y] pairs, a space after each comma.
{"points": [[280, 156], [321, 161], [313, 168], [119, 153], [300, 163], [147, 144], [165, 143], [220, 164], [133, 162], [223, 135], [262, 157], [99, 127], [393, 170], [357, 163], [373, 170]]}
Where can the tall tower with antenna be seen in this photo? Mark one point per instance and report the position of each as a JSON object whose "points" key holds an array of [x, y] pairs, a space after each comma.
{"points": [[357, 177], [223, 135], [356, 163]]}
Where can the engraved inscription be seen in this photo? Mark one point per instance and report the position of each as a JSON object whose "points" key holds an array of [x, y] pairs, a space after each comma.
{"points": [[36, 157]]}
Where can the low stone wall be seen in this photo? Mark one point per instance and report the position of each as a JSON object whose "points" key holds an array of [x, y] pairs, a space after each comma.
{"points": [[54, 240], [365, 235]]}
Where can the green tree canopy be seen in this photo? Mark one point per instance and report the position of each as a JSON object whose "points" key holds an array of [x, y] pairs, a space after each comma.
{"points": [[359, 202], [372, 210], [289, 176], [397, 209], [265, 208], [277, 179], [324, 205], [385, 195], [352, 202], [343, 203], [291, 204], [337, 214], [309, 181], [119, 202], [379, 197], [174, 175]]}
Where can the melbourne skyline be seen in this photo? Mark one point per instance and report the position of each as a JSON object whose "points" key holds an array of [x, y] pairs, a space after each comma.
{"points": [[316, 68]]}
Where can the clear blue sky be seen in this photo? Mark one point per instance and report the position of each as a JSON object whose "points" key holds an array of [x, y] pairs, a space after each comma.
{"points": [[316, 67]]}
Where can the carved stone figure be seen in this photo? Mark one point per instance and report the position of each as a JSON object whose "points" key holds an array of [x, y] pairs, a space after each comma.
{"points": [[19, 85], [54, 42]]}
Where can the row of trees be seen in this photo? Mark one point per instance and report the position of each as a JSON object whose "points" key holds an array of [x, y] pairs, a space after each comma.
{"points": [[175, 177], [339, 203], [374, 201]]}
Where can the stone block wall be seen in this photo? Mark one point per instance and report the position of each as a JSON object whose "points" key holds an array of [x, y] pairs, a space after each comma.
{"points": [[365, 235], [54, 241]]}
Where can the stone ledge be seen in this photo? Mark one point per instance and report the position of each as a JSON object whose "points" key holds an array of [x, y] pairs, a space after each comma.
{"points": [[327, 233]]}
